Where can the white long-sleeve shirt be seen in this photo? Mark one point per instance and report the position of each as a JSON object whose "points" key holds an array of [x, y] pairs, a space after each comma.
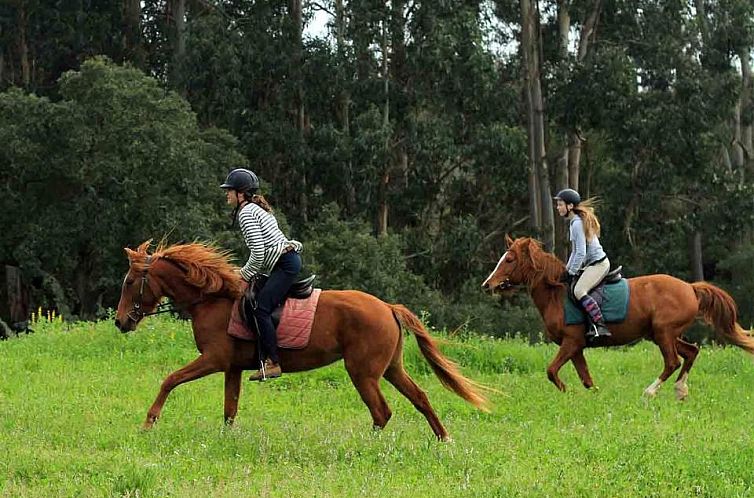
{"points": [[264, 239]]}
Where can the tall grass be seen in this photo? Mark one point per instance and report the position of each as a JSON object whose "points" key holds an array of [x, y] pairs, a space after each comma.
{"points": [[72, 398]]}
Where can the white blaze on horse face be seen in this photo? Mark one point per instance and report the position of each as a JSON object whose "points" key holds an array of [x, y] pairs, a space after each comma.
{"points": [[496, 268]]}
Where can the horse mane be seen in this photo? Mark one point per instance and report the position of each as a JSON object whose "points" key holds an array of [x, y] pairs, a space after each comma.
{"points": [[540, 266], [207, 267]]}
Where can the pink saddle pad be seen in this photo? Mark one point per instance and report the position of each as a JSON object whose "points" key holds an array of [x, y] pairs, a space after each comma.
{"points": [[295, 322]]}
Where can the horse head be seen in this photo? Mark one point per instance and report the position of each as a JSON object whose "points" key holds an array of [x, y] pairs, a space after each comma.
{"points": [[523, 263], [139, 295], [186, 273]]}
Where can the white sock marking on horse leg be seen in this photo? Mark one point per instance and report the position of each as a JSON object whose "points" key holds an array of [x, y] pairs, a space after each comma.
{"points": [[653, 388], [681, 387]]}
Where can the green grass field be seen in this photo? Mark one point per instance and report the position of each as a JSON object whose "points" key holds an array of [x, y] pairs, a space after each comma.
{"points": [[72, 399]]}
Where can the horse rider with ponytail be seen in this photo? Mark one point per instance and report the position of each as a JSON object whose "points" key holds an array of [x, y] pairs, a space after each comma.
{"points": [[588, 261], [271, 253]]}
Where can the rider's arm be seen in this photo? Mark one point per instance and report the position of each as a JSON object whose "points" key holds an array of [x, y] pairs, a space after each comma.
{"points": [[578, 242], [251, 227]]}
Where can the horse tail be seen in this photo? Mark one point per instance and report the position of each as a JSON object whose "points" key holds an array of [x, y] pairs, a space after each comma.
{"points": [[719, 310], [446, 370]]}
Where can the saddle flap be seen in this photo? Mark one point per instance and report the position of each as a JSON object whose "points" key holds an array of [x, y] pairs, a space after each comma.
{"points": [[303, 288], [614, 275]]}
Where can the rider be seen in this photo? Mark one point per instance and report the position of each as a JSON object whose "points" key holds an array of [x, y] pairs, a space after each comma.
{"points": [[272, 253], [586, 254]]}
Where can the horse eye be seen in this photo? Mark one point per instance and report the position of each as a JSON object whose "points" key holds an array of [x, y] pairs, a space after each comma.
{"points": [[129, 281]]}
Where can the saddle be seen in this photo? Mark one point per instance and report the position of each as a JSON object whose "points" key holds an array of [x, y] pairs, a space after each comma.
{"points": [[248, 302], [611, 295]]}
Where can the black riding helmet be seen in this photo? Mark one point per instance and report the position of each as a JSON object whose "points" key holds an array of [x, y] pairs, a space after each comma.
{"points": [[241, 180], [569, 196]]}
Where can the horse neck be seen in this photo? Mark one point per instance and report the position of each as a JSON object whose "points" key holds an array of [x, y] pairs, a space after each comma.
{"points": [[174, 285], [548, 301]]}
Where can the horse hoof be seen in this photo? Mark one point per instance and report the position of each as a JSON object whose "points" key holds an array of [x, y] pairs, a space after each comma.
{"points": [[446, 438], [681, 393], [148, 423], [649, 394]]}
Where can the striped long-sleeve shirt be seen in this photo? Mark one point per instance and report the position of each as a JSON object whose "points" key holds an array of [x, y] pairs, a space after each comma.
{"points": [[264, 238]]}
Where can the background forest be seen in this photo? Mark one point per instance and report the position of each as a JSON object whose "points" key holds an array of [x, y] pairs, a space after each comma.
{"points": [[399, 140]]}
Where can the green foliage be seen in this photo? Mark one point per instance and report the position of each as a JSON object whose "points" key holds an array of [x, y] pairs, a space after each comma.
{"points": [[116, 161], [346, 255], [405, 103]]}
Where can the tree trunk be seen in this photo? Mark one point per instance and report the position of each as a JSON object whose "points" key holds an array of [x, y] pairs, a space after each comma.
{"points": [[383, 208], [588, 34], [564, 28], [746, 116], [132, 32], [535, 109], [14, 297], [695, 256], [396, 76], [343, 102], [737, 151], [574, 159], [180, 29], [528, 53], [23, 47], [297, 58]]}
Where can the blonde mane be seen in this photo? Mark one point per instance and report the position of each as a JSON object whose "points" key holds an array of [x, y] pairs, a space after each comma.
{"points": [[207, 267]]}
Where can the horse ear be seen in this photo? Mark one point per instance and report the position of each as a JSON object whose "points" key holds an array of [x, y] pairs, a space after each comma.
{"points": [[508, 241], [529, 249], [130, 254]]}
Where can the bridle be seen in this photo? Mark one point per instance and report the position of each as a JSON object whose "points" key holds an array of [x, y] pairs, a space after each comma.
{"points": [[137, 313], [506, 284]]}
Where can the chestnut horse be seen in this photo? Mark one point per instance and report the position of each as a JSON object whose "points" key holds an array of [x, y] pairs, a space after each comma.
{"points": [[661, 308], [357, 327]]}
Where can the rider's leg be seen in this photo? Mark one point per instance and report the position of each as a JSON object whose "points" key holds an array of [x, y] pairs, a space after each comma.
{"points": [[590, 277], [270, 297]]}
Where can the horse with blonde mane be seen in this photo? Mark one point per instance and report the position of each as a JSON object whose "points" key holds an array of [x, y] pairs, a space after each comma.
{"points": [[661, 308], [351, 325]]}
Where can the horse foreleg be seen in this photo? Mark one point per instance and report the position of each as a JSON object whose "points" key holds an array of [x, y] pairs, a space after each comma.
{"points": [[689, 352], [196, 369], [566, 351], [232, 392], [579, 362]]}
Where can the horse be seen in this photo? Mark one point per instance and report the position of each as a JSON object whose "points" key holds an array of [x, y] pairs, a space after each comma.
{"points": [[661, 308], [351, 325]]}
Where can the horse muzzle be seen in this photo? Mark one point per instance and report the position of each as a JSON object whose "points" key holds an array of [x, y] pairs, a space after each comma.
{"points": [[126, 325], [503, 286]]}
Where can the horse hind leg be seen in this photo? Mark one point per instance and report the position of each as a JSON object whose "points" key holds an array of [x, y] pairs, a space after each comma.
{"points": [[368, 386], [567, 349], [666, 341], [579, 362], [399, 378], [689, 353]]}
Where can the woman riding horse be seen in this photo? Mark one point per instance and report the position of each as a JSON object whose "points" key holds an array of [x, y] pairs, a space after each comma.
{"points": [[271, 253], [588, 263]]}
